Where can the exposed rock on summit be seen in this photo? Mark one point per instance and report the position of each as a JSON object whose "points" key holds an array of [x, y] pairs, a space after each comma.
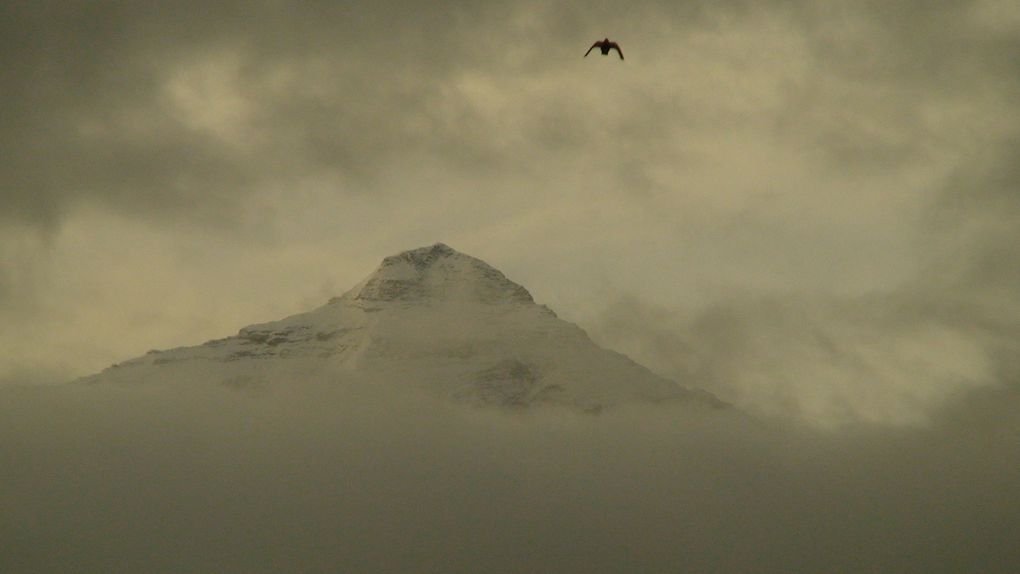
{"points": [[438, 273]]}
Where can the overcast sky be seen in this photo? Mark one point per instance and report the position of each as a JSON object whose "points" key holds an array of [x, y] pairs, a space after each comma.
{"points": [[810, 209]]}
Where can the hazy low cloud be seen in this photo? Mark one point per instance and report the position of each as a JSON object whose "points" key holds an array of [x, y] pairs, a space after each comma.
{"points": [[365, 479], [894, 355], [888, 360]]}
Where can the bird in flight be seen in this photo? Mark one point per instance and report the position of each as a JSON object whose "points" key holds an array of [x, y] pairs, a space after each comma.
{"points": [[605, 45]]}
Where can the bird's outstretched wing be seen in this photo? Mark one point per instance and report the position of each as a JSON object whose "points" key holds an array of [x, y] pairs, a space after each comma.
{"points": [[590, 49], [615, 46]]}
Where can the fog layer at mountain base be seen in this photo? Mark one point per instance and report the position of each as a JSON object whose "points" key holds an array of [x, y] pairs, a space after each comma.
{"points": [[356, 477]]}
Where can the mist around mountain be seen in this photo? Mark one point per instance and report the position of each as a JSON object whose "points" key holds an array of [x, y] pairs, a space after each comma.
{"points": [[371, 478], [432, 319], [350, 439]]}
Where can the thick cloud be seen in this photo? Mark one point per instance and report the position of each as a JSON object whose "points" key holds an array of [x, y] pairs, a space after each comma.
{"points": [[188, 109], [365, 479]]}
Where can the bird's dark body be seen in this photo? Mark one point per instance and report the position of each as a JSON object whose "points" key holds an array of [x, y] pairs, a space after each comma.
{"points": [[605, 46]]}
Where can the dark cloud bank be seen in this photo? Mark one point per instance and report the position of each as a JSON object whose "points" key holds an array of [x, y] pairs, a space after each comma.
{"points": [[364, 478], [188, 109]]}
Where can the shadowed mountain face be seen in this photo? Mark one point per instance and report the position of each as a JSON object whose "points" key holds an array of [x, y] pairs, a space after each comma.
{"points": [[432, 318]]}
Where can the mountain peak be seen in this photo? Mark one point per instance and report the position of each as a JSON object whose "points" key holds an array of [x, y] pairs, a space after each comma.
{"points": [[424, 256], [434, 317], [437, 273]]}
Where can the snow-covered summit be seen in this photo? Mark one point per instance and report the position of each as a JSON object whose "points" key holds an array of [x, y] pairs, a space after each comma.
{"points": [[432, 318], [437, 273]]}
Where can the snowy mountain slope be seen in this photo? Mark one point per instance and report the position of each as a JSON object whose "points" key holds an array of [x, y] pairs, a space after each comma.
{"points": [[431, 317]]}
